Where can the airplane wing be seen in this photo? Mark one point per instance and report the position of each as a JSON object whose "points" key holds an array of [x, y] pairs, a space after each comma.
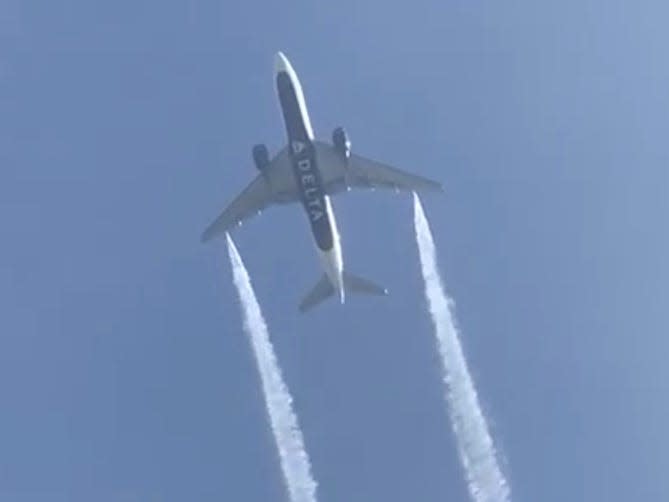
{"points": [[274, 186], [366, 173]]}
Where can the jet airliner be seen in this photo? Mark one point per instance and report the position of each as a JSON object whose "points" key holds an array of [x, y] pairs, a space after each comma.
{"points": [[309, 171]]}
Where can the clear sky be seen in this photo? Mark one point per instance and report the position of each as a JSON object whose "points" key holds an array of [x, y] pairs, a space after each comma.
{"points": [[126, 126]]}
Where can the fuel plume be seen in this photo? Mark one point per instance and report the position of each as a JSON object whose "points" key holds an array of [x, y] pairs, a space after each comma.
{"points": [[485, 480], [295, 463]]}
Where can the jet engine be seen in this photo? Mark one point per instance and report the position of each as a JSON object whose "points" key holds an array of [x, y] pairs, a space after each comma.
{"points": [[341, 142], [261, 157]]}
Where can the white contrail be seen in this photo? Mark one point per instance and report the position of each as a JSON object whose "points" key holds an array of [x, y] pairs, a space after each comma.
{"points": [[294, 460], [477, 452]]}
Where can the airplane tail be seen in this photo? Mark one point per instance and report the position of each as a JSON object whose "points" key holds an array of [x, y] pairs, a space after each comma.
{"points": [[352, 283]]}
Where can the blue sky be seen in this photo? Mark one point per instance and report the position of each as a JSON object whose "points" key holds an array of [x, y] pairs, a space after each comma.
{"points": [[126, 126]]}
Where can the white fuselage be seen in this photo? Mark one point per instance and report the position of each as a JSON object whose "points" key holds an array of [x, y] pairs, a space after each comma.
{"points": [[316, 202]]}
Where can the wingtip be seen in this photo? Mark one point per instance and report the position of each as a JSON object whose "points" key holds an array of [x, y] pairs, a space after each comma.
{"points": [[437, 186], [211, 234], [206, 236]]}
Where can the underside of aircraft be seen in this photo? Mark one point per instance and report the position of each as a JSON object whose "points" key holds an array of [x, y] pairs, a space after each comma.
{"points": [[310, 171]]}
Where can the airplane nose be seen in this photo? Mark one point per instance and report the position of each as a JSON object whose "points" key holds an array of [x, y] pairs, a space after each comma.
{"points": [[281, 63]]}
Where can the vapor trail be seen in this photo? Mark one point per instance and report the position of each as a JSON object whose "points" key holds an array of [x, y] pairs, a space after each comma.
{"points": [[287, 435], [484, 478]]}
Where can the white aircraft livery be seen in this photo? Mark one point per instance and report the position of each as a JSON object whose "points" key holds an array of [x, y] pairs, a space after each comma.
{"points": [[310, 171]]}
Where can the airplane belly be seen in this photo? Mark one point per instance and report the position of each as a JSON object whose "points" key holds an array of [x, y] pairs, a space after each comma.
{"points": [[312, 194], [318, 209], [331, 259], [295, 115], [308, 178]]}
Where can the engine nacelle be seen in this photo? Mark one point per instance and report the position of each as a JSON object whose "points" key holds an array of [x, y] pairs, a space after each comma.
{"points": [[341, 142], [261, 157]]}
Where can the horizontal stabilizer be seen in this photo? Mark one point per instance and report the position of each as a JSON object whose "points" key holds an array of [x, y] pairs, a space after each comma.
{"points": [[355, 284], [321, 291], [352, 284]]}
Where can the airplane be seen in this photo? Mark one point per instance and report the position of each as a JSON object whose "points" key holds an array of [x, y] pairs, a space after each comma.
{"points": [[310, 171]]}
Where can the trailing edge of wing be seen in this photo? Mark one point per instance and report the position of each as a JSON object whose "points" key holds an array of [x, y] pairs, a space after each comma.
{"points": [[255, 197], [275, 185], [370, 173], [361, 172]]}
